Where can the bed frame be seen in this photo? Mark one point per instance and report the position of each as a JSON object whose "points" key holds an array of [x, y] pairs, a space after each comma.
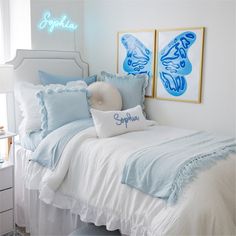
{"points": [[26, 65], [25, 68]]}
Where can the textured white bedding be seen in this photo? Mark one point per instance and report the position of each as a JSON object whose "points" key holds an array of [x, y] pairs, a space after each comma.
{"points": [[92, 188]]}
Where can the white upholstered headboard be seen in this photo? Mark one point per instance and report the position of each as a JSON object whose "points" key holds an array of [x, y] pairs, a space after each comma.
{"points": [[27, 63]]}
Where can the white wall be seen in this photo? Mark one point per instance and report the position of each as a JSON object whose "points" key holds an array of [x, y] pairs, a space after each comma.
{"points": [[20, 34], [58, 40], [217, 112], [235, 59]]}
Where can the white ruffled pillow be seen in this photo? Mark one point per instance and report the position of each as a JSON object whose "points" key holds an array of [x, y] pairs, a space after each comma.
{"points": [[25, 94], [112, 123]]}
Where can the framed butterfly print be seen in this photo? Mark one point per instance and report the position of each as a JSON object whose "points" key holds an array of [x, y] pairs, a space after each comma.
{"points": [[136, 54], [179, 59]]}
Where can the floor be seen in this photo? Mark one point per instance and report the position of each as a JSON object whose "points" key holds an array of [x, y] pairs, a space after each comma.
{"points": [[86, 230], [91, 229], [20, 231]]}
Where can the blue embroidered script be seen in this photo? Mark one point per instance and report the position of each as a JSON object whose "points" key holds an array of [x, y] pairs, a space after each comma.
{"points": [[174, 63], [50, 24], [125, 120], [138, 58]]}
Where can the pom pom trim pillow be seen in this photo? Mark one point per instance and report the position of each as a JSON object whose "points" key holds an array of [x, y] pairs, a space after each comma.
{"points": [[46, 78], [61, 106], [112, 123], [131, 87]]}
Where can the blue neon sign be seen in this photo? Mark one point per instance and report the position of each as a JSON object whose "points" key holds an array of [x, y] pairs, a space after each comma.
{"points": [[50, 24]]}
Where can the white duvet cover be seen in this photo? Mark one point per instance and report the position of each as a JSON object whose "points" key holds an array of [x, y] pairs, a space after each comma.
{"points": [[88, 182]]}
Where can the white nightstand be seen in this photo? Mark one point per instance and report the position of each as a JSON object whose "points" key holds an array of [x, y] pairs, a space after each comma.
{"points": [[7, 191]]}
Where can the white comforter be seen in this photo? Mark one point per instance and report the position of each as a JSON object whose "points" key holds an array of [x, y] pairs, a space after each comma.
{"points": [[87, 181]]}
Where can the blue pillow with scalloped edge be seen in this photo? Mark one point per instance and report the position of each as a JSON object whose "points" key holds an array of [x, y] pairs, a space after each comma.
{"points": [[46, 78], [131, 87], [61, 106]]}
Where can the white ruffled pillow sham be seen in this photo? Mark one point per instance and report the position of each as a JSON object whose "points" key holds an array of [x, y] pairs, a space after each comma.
{"points": [[25, 94], [112, 123]]}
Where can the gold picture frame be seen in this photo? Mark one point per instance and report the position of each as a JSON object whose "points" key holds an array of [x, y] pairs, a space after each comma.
{"points": [[179, 64], [136, 55]]}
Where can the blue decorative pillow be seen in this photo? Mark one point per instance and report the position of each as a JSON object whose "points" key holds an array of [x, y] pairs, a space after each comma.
{"points": [[46, 78], [61, 106], [132, 88]]}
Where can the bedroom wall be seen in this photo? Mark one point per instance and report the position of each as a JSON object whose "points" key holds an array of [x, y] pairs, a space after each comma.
{"points": [[59, 39], [235, 60], [217, 112], [20, 34]]}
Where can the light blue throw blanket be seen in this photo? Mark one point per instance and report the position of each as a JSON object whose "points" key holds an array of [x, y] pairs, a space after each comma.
{"points": [[164, 170], [49, 150]]}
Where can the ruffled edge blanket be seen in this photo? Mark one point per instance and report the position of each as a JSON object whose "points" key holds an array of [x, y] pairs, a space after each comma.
{"points": [[187, 173]]}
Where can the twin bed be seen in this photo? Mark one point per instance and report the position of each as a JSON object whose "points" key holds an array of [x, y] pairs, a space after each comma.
{"points": [[88, 183]]}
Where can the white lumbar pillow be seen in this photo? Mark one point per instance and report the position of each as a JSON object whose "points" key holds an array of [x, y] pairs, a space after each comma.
{"points": [[111, 123], [104, 96]]}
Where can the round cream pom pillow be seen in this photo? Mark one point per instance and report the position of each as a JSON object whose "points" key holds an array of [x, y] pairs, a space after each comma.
{"points": [[105, 97]]}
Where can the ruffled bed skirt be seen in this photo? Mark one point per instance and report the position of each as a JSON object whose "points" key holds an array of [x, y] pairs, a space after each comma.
{"points": [[36, 216], [42, 218]]}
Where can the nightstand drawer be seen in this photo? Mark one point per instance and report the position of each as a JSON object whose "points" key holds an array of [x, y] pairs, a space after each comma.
{"points": [[6, 222], [6, 178], [6, 200]]}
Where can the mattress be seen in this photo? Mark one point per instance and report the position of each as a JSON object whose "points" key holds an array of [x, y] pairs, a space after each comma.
{"points": [[92, 189]]}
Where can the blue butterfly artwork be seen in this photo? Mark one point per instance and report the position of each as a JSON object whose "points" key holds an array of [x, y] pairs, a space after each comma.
{"points": [[138, 58], [174, 63]]}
